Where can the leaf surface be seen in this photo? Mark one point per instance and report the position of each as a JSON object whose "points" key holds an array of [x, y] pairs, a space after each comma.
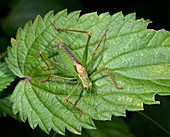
{"points": [[137, 58], [6, 76]]}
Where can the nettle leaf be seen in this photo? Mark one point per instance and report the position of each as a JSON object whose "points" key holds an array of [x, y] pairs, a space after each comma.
{"points": [[6, 76], [6, 107], [138, 59]]}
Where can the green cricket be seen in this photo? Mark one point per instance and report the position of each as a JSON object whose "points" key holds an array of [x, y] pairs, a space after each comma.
{"points": [[77, 69]]}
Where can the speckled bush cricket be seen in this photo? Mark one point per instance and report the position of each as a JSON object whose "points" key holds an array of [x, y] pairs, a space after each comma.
{"points": [[73, 65]]}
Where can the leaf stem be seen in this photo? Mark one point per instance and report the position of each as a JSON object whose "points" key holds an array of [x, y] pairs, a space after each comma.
{"points": [[156, 123]]}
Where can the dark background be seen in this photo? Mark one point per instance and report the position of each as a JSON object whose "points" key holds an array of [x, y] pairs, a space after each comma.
{"points": [[15, 13]]}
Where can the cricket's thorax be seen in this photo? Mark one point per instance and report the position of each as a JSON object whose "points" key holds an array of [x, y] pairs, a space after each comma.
{"points": [[80, 69], [82, 73]]}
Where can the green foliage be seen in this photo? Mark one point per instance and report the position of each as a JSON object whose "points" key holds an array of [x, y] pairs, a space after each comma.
{"points": [[6, 107], [6, 76], [137, 58]]}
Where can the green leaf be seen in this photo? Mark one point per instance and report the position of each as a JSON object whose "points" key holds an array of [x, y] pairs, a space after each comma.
{"points": [[137, 58], [6, 107], [6, 76]]}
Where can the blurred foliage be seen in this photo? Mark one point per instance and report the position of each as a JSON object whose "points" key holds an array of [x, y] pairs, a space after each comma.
{"points": [[15, 13], [159, 113], [31, 8]]}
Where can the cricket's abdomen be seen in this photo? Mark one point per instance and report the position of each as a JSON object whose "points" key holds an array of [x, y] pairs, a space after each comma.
{"points": [[67, 51]]}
